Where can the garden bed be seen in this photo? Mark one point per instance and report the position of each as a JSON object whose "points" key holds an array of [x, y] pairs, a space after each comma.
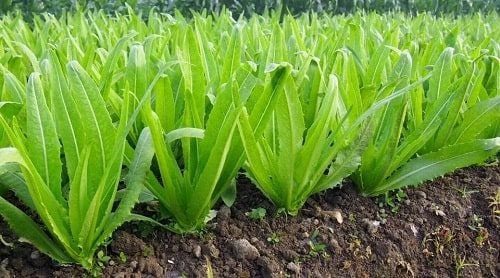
{"points": [[443, 229]]}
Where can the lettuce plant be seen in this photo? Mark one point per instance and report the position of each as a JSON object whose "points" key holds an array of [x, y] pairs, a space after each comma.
{"points": [[211, 155], [70, 189], [293, 160], [306, 150], [417, 140]]}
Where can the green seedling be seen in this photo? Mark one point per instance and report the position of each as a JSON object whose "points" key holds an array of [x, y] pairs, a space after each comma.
{"points": [[274, 238], [257, 214]]}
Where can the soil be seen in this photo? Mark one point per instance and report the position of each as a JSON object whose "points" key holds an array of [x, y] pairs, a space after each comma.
{"points": [[444, 228]]}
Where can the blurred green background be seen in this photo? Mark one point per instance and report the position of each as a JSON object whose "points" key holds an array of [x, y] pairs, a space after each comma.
{"points": [[248, 7]]}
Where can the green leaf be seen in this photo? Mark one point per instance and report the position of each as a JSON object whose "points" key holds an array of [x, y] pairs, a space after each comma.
{"points": [[228, 196], [11, 179], [52, 213], [10, 109], [441, 75], [25, 227], [476, 119], [10, 155], [232, 56], [469, 83], [136, 76], [109, 67], [64, 108], [165, 103], [186, 132], [377, 65], [78, 200], [135, 180], [254, 160], [444, 160], [13, 88], [100, 129], [42, 140], [213, 167]]}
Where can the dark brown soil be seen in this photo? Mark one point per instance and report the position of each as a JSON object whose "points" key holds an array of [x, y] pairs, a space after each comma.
{"points": [[444, 228]]}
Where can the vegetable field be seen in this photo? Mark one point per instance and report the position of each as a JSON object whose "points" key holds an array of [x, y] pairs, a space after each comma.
{"points": [[115, 125]]}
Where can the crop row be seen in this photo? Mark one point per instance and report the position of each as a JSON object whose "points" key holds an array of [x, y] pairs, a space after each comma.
{"points": [[99, 113]]}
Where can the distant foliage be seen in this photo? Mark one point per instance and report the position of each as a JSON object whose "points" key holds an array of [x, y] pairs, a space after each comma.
{"points": [[248, 7]]}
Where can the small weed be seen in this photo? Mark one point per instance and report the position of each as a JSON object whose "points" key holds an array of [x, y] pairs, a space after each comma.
{"points": [[281, 211], [464, 192], [274, 238], [352, 217], [257, 214], [96, 271], [440, 238], [482, 236], [317, 248], [495, 204], [102, 261], [123, 257], [393, 200], [460, 264], [102, 258], [476, 223], [382, 216], [355, 246], [148, 251]]}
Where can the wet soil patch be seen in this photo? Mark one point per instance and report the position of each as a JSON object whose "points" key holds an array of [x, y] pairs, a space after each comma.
{"points": [[444, 228]]}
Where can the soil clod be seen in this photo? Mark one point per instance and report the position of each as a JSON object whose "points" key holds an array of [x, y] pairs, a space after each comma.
{"points": [[127, 243], [245, 250]]}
